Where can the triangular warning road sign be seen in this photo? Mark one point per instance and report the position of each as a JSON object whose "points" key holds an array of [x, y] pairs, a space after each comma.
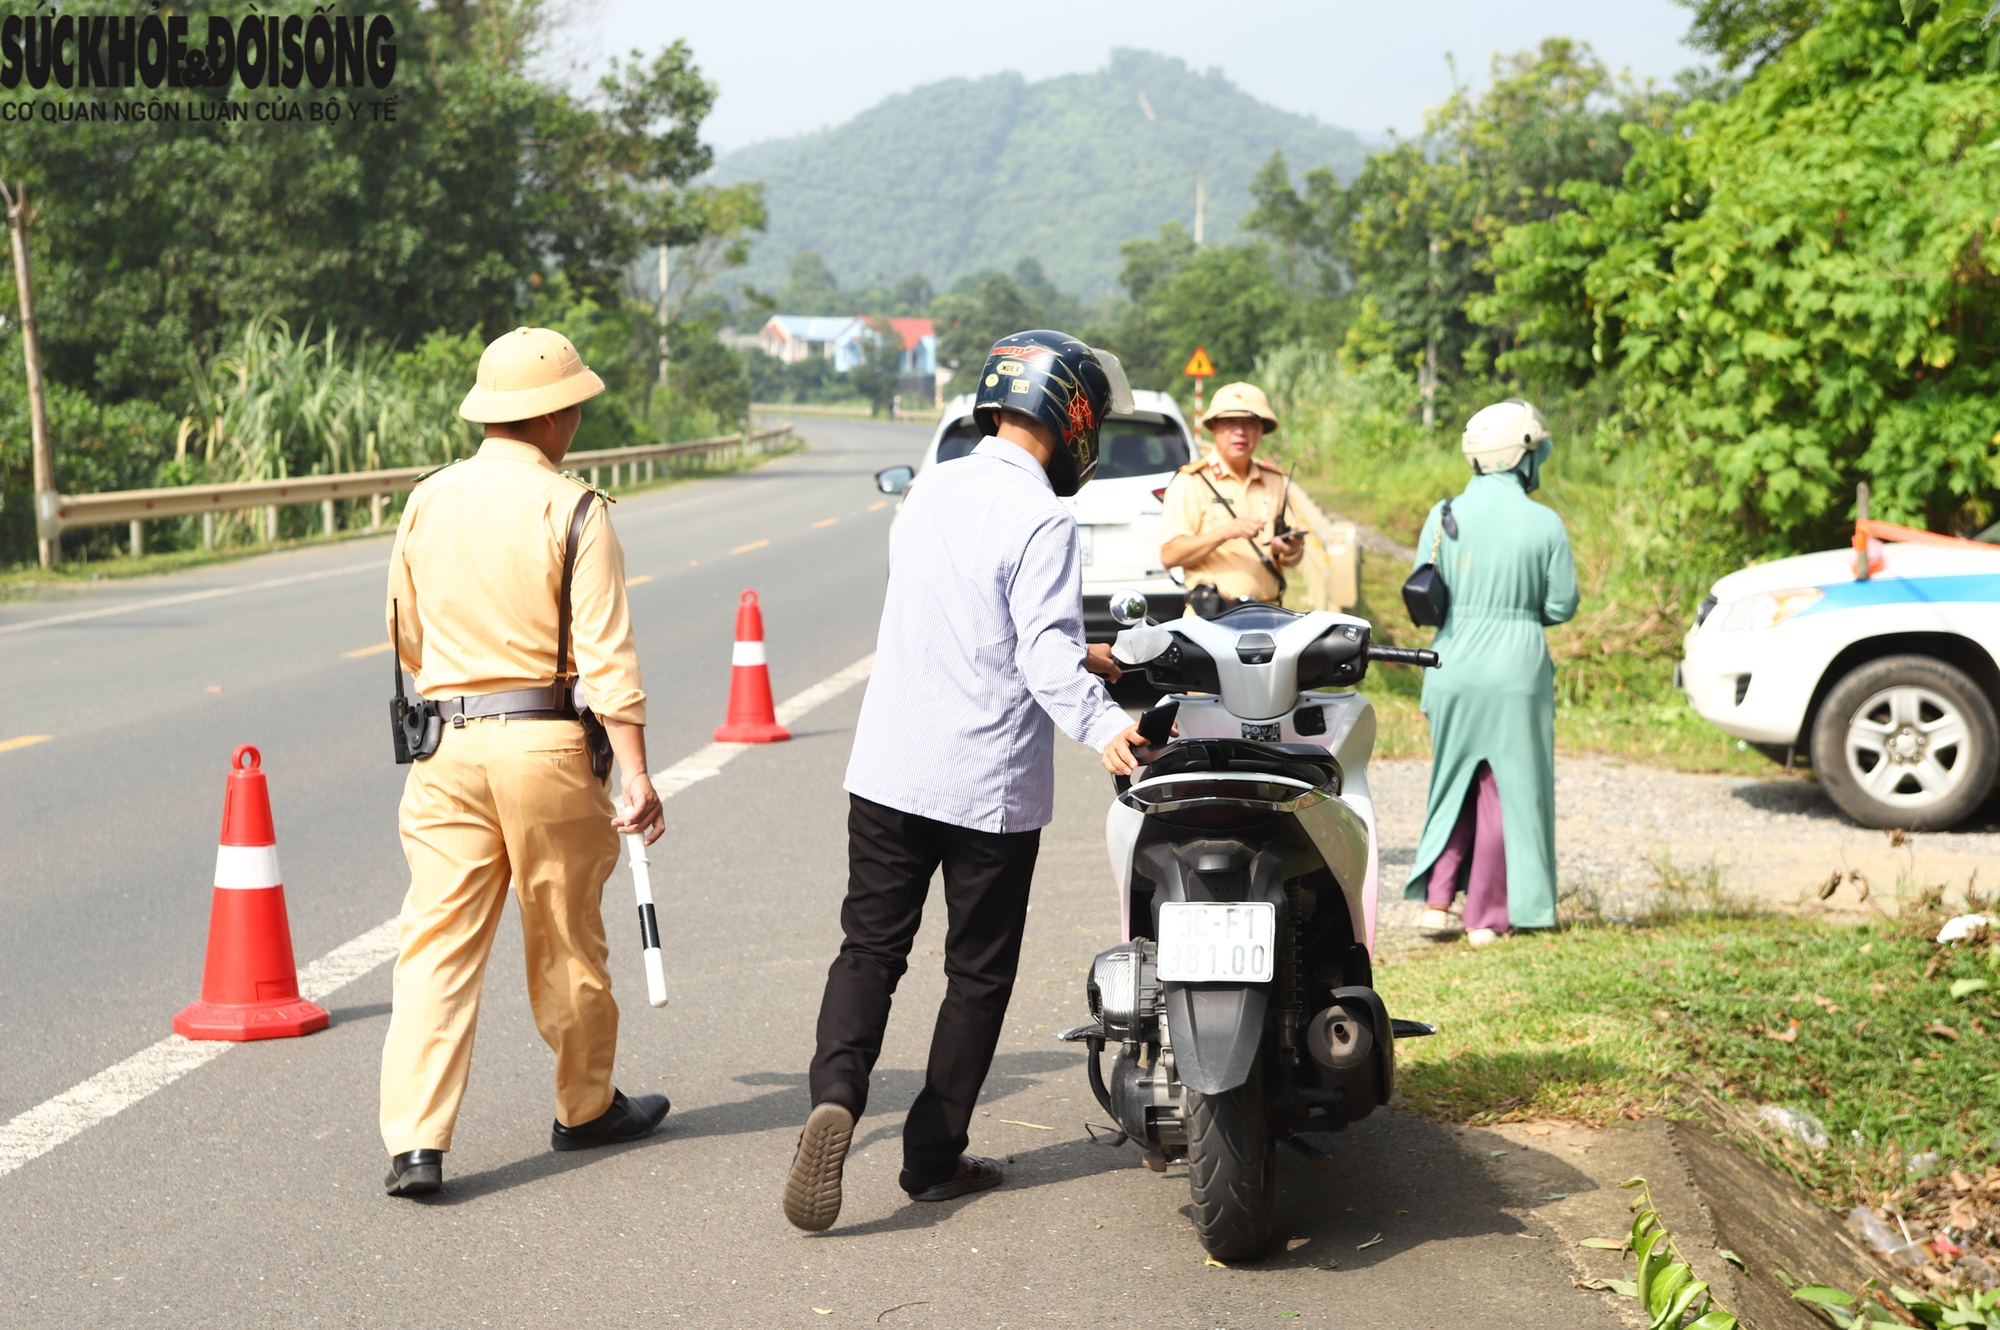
{"points": [[1199, 366]]}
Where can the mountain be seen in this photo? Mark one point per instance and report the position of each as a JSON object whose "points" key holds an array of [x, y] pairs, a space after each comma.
{"points": [[967, 174]]}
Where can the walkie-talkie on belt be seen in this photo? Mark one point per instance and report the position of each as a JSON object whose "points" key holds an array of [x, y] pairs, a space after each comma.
{"points": [[415, 727]]}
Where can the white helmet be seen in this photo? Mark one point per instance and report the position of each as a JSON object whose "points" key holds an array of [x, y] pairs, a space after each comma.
{"points": [[1499, 436]]}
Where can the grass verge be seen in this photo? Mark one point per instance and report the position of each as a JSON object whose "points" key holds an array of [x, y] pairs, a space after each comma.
{"points": [[1889, 1039]]}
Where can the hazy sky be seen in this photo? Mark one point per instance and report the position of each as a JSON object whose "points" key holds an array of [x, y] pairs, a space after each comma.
{"points": [[789, 66]]}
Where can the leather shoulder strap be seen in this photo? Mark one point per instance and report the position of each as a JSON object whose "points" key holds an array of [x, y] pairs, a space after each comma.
{"points": [[1270, 564], [564, 672], [1227, 506]]}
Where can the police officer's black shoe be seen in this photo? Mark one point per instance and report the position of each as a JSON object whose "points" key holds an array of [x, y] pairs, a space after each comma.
{"points": [[625, 1120], [415, 1173]]}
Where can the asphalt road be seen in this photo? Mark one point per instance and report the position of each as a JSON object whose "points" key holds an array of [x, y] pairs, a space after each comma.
{"points": [[249, 1190]]}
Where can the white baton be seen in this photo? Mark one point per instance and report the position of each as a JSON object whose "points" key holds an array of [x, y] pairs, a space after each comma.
{"points": [[649, 919]]}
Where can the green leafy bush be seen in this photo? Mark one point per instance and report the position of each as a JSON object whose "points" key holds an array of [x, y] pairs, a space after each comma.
{"points": [[1796, 285]]}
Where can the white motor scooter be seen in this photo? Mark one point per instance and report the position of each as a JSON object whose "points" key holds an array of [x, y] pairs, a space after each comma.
{"points": [[1242, 1000]]}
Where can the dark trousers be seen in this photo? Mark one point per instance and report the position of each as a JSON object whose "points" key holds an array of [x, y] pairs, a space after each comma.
{"points": [[891, 856]]}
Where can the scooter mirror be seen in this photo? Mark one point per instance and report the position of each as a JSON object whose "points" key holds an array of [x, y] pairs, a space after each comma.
{"points": [[895, 479], [1128, 607]]}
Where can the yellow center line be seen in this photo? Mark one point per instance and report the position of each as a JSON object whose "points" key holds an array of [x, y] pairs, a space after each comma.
{"points": [[640, 580], [878, 507], [753, 545], [24, 741], [375, 650], [828, 522]]}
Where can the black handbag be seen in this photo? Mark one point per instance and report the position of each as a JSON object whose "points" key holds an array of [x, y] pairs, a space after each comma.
{"points": [[1425, 595]]}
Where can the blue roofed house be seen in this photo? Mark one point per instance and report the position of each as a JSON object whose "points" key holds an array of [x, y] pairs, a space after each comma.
{"points": [[844, 340], [796, 337]]}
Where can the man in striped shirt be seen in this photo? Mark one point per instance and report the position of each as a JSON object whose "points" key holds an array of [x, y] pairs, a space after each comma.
{"points": [[981, 656]]}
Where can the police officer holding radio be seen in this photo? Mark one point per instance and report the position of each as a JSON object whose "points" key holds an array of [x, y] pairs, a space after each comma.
{"points": [[507, 601], [1228, 516], [980, 658]]}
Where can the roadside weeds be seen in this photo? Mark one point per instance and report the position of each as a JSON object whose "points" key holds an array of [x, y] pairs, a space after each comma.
{"points": [[1696, 1006]]}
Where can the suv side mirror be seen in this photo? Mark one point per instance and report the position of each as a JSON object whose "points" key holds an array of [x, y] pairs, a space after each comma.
{"points": [[1128, 607], [895, 479]]}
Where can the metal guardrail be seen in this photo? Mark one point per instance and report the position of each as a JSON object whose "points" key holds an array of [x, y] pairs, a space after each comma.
{"points": [[64, 512]]}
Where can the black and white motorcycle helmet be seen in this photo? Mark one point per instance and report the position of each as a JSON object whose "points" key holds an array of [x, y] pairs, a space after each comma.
{"points": [[1056, 379]]}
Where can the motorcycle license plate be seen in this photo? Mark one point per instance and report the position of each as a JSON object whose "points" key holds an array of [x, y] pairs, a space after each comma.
{"points": [[1203, 943]]}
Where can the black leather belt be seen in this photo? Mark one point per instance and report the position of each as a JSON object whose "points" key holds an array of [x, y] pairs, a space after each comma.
{"points": [[547, 703]]}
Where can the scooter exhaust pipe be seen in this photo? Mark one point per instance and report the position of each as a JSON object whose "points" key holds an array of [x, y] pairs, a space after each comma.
{"points": [[1339, 1039]]}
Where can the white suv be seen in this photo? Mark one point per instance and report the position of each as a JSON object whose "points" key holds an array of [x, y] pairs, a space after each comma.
{"points": [[1887, 682], [1118, 513]]}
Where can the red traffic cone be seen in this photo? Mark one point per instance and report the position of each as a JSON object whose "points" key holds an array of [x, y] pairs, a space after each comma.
{"points": [[752, 719], [250, 986]]}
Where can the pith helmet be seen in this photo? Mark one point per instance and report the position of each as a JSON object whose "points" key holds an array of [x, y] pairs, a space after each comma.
{"points": [[527, 373], [1499, 436], [1241, 399]]}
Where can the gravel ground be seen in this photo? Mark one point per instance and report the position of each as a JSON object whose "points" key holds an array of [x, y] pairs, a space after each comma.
{"points": [[1775, 840]]}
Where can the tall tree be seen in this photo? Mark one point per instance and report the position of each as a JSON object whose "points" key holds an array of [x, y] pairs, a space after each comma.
{"points": [[1409, 240], [1797, 285], [163, 238]]}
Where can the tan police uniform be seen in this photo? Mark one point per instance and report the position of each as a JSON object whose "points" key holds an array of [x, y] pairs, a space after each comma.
{"points": [[1203, 494], [475, 577], [1192, 507]]}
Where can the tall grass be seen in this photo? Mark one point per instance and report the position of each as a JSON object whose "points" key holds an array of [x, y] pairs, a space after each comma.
{"points": [[275, 403]]}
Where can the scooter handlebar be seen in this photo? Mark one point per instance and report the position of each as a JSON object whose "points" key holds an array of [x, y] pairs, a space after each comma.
{"points": [[1403, 656]]}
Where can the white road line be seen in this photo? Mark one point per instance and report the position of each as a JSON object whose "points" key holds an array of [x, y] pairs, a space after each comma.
{"points": [[211, 594], [52, 1122], [705, 762], [825, 690], [348, 962]]}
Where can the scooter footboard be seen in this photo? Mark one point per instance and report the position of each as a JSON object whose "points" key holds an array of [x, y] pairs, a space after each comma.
{"points": [[1216, 1031]]}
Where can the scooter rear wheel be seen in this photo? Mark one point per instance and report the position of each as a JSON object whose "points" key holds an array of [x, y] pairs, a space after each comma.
{"points": [[1232, 1169]]}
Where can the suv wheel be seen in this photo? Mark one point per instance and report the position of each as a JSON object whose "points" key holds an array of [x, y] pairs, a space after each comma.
{"points": [[1906, 741]]}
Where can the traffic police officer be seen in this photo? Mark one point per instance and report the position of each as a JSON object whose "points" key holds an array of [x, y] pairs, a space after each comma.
{"points": [[475, 581], [1221, 510]]}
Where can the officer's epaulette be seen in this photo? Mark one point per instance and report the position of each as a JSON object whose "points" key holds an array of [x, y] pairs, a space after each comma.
{"points": [[422, 476], [584, 481], [1194, 466]]}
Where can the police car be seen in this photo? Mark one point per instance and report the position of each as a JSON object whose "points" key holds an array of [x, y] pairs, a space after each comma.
{"points": [[1886, 681], [1118, 513]]}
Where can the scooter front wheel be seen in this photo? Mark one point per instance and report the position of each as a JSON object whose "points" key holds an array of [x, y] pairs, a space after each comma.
{"points": [[1232, 1169]]}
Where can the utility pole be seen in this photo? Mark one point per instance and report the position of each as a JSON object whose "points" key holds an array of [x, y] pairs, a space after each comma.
{"points": [[1200, 204], [667, 273], [19, 218], [1427, 377]]}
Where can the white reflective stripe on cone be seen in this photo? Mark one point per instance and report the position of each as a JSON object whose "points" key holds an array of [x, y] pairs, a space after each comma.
{"points": [[747, 653], [247, 867]]}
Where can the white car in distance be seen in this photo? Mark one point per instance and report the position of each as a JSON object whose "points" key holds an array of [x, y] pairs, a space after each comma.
{"points": [[1118, 514], [1887, 682]]}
